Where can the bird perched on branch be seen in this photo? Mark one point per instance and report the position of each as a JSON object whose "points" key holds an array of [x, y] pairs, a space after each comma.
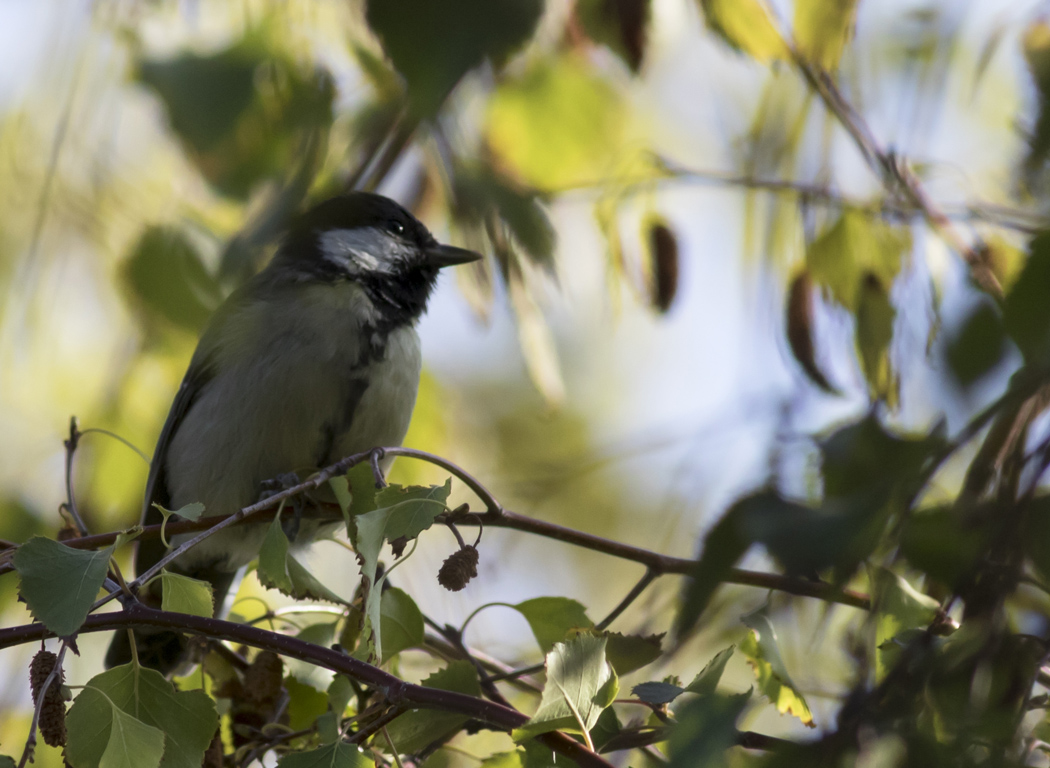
{"points": [[313, 359]]}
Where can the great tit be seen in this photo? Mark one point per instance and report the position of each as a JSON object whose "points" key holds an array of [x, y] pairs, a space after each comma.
{"points": [[315, 358]]}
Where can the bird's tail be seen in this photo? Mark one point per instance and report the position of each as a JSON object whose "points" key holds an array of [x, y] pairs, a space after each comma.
{"points": [[163, 649]]}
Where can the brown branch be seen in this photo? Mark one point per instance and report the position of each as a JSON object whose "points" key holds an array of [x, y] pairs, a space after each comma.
{"points": [[396, 691], [896, 175]]}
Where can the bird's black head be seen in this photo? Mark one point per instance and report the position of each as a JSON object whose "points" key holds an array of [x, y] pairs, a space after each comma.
{"points": [[370, 240]]}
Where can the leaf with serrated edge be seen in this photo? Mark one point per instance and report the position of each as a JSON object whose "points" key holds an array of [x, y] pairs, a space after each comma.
{"points": [[59, 583], [760, 648], [552, 618], [580, 684], [657, 693], [401, 622], [707, 681], [182, 594]]}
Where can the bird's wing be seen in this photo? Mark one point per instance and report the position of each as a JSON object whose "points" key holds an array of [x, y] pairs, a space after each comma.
{"points": [[200, 372]]}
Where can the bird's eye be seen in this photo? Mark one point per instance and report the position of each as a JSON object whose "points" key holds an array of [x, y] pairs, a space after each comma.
{"points": [[396, 227]]}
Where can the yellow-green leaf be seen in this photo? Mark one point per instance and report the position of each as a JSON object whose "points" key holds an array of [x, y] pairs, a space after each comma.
{"points": [[760, 648], [898, 607], [822, 29], [747, 25], [875, 316], [557, 125], [182, 594]]}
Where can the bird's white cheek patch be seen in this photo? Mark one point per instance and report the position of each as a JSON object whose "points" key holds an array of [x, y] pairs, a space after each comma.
{"points": [[351, 248]]}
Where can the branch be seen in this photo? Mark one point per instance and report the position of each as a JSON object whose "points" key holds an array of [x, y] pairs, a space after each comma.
{"points": [[896, 175], [397, 692]]}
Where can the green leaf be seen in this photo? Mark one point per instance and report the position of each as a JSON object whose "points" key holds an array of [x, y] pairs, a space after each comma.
{"points": [[446, 40], [822, 29], [763, 654], [104, 714], [504, 760], [580, 684], [856, 247], [336, 755], [978, 346], [622, 26], [401, 622], [551, 619], [305, 703], [483, 195], [898, 607], [657, 693], [59, 583], [875, 317], [244, 112], [6, 761], [944, 545], [182, 594], [402, 513], [362, 484], [724, 545], [558, 124], [279, 570], [340, 692], [1026, 309], [132, 743], [706, 728], [746, 25], [419, 728], [707, 680], [168, 280], [628, 653]]}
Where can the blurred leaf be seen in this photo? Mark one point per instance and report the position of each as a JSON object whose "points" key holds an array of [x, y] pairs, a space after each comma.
{"points": [[705, 729], [707, 680], [852, 250], [875, 316], [305, 703], [336, 755], [663, 256], [1036, 534], [863, 456], [443, 41], [724, 545], [1036, 45], [168, 280], [551, 619], [414, 730], [605, 730], [131, 701], [657, 693], [241, 113], [185, 595], [763, 654], [978, 346], [557, 125], [944, 545], [59, 583], [622, 25], [822, 29], [1026, 310], [580, 684], [628, 653], [401, 622], [747, 25], [898, 607], [481, 194], [537, 343], [800, 331], [1005, 259]]}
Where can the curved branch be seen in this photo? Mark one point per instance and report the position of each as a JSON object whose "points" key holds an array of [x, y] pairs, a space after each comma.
{"points": [[396, 691]]}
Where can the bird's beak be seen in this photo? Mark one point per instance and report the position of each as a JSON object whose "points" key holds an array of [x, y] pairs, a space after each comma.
{"points": [[439, 255]]}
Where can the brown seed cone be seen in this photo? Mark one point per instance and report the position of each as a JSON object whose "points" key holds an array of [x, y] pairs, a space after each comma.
{"points": [[53, 710], [458, 569], [263, 679]]}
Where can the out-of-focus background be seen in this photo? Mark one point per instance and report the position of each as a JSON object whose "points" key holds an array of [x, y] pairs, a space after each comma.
{"points": [[621, 364]]}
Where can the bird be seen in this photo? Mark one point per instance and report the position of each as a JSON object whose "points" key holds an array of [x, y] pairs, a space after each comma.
{"points": [[314, 358]]}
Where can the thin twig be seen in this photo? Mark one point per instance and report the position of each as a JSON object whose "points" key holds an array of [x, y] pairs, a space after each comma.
{"points": [[647, 578], [71, 502]]}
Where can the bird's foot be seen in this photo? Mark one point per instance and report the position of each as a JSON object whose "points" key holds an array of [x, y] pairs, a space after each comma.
{"points": [[283, 482]]}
